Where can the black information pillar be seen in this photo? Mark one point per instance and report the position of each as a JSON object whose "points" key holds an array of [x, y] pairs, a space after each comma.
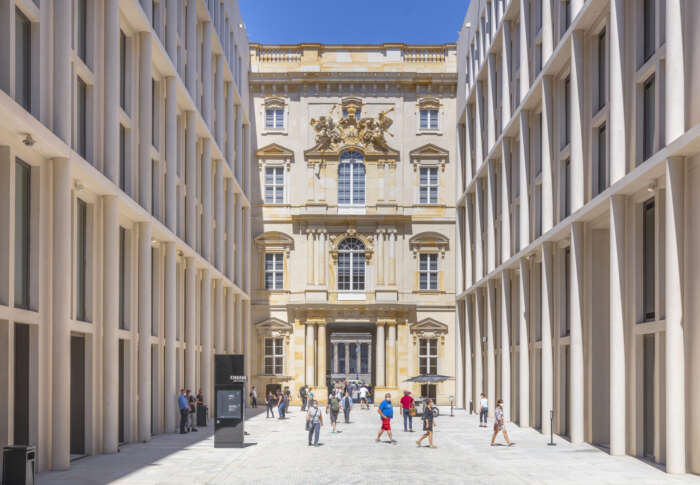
{"points": [[229, 400]]}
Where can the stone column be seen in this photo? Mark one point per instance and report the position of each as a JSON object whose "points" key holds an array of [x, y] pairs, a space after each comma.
{"points": [[547, 155], [468, 384], [219, 215], [524, 344], [380, 382], [145, 122], [206, 74], [111, 91], [468, 230], [321, 347], [524, 54], [239, 325], [391, 355], [145, 329], [239, 240], [468, 141], [675, 345], [506, 59], [205, 379], [491, 94], [229, 320], [205, 250], [459, 356], [616, 102], [618, 400], [192, 47], [310, 364], [478, 223], [505, 343], [335, 359], [505, 196], [230, 222], [191, 323], [62, 81], [309, 256], [239, 146], [492, 392], [675, 105], [358, 348], [524, 161], [171, 12], [578, 172], [380, 257], [576, 382], [219, 338], [110, 324], [547, 362], [490, 216], [347, 358], [479, 149], [61, 315], [191, 179], [170, 316], [392, 257], [230, 127], [478, 359], [171, 136], [220, 105], [547, 33]]}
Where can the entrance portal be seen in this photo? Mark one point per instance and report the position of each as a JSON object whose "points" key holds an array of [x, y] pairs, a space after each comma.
{"points": [[351, 356]]}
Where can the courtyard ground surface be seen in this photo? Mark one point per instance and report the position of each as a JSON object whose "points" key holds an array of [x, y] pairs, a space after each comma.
{"points": [[281, 455]]}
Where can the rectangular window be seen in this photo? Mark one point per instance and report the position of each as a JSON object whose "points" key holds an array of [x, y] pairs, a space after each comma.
{"points": [[23, 58], [567, 113], [274, 271], [648, 124], [81, 120], [122, 157], [274, 119], [122, 278], [601, 69], [22, 233], [538, 210], [428, 271], [274, 185], [649, 260], [427, 356], [428, 119], [428, 185], [81, 262], [154, 187], [274, 356], [566, 327], [122, 70], [602, 160], [649, 28], [538, 157], [566, 7], [82, 29]]}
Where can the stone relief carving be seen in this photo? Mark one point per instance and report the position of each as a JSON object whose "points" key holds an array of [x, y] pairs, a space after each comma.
{"points": [[367, 133]]}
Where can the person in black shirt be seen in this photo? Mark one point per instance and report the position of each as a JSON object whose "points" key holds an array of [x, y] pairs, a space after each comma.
{"points": [[192, 401], [270, 405], [427, 423]]}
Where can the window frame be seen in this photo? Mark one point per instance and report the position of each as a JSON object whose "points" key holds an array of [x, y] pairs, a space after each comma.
{"points": [[426, 358], [432, 119], [23, 76], [354, 160], [278, 188], [431, 271], [277, 118], [357, 260], [276, 343], [431, 187], [23, 246], [276, 258]]}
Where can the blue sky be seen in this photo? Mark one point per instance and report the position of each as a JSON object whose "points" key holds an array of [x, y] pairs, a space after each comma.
{"points": [[353, 21]]}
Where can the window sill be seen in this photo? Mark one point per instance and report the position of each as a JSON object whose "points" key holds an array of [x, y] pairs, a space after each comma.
{"points": [[429, 132], [273, 131], [275, 291], [429, 292], [432, 206], [352, 296], [276, 204]]}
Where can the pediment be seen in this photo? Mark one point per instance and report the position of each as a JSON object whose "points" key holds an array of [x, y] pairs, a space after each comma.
{"points": [[273, 151], [274, 240], [429, 150], [273, 327], [429, 326], [429, 240]]}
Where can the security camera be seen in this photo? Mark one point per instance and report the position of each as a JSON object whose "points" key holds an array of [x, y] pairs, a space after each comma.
{"points": [[28, 140]]}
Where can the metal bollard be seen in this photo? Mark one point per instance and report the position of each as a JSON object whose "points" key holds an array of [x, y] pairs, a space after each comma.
{"points": [[551, 429]]}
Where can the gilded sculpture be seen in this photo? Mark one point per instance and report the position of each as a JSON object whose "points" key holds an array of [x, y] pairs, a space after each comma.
{"points": [[368, 133]]}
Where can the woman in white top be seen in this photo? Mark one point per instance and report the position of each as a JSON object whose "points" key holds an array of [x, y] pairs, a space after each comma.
{"points": [[483, 410], [314, 420]]}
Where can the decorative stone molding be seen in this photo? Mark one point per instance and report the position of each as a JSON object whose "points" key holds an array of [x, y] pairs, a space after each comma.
{"points": [[273, 327], [274, 153], [429, 242], [428, 328], [428, 103], [274, 241], [352, 232], [429, 155]]}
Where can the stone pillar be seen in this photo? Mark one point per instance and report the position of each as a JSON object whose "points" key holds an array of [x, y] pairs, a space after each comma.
{"points": [[675, 105], [239, 146], [524, 54], [205, 379], [145, 122], [491, 94], [478, 359], [618, 399], [675, 338], [578, 172], [229, 321], [478, 223], [61, 315], [110, 324], [347, 358], [230, 222], [205, 250], [62, 107], [220, 105], [492, 392], [505, 343], [310, 364], [191, 179], [310, 256], [576, 382], [230, 127], [380, 382], [321, 346], [616, 102], [192, 47], [206, 74], [479, 149], [392, 257], [219, 338], [238, 344], [524, 161], [524, 344], [547, 154], [172, 8], [468, 231], [335, 370], [547, 362], [170, 316], [468, 384], [468, 142], [145, 329], [240, 249], [391, 355], [505, 196], [171, 140], [191, 323], [459, 355], [322, 251], [547, 31], [506, 59], [490, 216], [219, 215], [380, 257], [111, 91]]}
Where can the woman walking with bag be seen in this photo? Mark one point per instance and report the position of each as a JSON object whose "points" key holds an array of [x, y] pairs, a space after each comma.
{"points": [[427, 423], [314, 420], [499, 424]]}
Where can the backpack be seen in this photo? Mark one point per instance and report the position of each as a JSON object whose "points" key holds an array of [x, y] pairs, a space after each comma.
{"points": [[335, 405]]}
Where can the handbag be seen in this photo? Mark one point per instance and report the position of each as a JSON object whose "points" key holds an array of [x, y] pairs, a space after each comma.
{"points": [[412, 410], [308, 425]]}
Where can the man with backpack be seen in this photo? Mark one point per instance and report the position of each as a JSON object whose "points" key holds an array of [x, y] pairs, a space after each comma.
{"points": [[333, 409], [303, 395]]}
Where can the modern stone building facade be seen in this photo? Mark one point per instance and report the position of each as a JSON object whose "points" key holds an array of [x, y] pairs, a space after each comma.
{"points": [[578, 270], [125, 179], [353, 216]]}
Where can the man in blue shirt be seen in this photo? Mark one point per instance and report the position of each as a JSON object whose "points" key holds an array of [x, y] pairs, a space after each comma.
{"points": [[386, 411], [184, 410]]}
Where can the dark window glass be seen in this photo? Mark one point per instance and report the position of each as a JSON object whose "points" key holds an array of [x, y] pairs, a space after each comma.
{"points": [[602, 160], [81, 261], [538, 158], [154, 112], [649, 260], [567, 112], [23, 57], [122, 70], [601, 69], [122, 157], [122, 278], [82, 119], [649, 29], [82, 29], [567, 187], [154, 187], [22, 233], [566, 328], [648, 135], [154, 291]]}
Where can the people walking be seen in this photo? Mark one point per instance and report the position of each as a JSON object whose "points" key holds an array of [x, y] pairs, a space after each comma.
{"points": [[386, 412], [333, 408], [280, 405], [287, 399], [184, 411], [407, 410], [499, 425], [270, 405], [201, 408], [428, 417], [346, 404], [191, 402], [483, 411], [364, 392], [303, 394], [314, 420], [253, 398]]}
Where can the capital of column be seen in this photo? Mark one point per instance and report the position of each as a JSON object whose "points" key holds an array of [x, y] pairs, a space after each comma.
{"points": [[387, 322]]}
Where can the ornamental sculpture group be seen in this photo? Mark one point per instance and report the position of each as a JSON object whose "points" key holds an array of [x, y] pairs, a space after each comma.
{"points": [[367, 133]]}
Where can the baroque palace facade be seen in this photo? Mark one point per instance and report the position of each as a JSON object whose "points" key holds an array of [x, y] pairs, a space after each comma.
{"points": [[354, 216], [578, 271]]}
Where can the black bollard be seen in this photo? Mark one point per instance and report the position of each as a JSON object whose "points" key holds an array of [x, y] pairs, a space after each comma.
{"points": [[551, 429]]}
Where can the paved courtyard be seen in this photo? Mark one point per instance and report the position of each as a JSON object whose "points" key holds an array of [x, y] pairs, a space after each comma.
{"points": [[280, 455]]}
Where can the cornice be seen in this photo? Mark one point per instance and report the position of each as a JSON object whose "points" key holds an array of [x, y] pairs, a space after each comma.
{"points": [[259, 78]]}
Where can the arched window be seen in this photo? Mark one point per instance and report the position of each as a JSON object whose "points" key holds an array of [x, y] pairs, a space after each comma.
{"points": [[351, 179], [351, 265]]}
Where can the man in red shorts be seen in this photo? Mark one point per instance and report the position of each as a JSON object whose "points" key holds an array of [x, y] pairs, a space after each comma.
{"points": [[386, 411]]}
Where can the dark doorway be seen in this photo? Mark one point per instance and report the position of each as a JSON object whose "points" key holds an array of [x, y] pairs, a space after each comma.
{"points": [[121, 391], [648, 399], [77, 395], [273, 388], [428, 390], [21, 390]]}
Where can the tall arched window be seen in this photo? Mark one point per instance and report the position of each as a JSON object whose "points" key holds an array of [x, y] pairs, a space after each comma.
{"points": [[351, 179], [351, 265]]}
